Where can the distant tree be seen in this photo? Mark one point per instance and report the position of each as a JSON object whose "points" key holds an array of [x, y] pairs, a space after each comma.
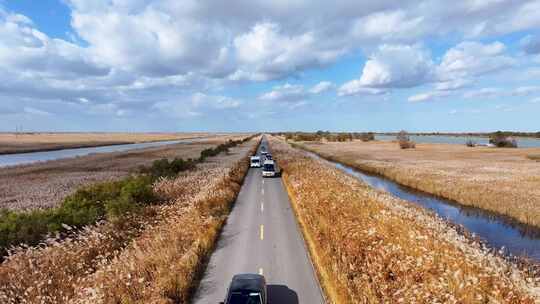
{"points": [[404, 140], [502, 140], [369, 136], [470, 143]]}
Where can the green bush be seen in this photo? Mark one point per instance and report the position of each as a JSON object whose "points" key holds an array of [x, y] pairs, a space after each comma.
{"points": [[86, 206], [164, 168]]}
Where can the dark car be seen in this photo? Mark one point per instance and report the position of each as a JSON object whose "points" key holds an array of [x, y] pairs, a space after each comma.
{"points": [[246, 289]]}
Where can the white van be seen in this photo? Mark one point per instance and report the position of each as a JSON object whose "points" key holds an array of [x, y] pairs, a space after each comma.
{"points": [[255, 162], [269, 169]]}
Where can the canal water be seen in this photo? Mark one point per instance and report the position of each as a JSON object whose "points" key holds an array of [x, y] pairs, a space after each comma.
{"points": [[523, 142], [499, 232], [33, 157]]}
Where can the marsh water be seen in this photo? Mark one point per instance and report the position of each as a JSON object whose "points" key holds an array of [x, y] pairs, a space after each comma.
{"points": [[523, 142], [499, 232], [33, 157]]}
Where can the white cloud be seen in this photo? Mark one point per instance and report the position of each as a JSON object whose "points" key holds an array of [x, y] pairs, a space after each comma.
{"points": [[389, 25], [392, 66], [484, 93], [428, 96], [321, 87], [355, 87], [134, 54], [285, 93], [34, 111], [265, 53], [452, 85], [201, 100], [470, 59], [498, 92], [399, 66], [531, 44], [525, 90], [197, 104]]}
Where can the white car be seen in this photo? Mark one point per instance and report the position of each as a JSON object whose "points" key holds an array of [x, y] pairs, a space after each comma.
{"points": [[269, 169], [255, 162]]}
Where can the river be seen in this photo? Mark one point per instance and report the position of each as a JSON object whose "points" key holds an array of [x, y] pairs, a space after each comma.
{"points": [[497, 231], [33, 157]]}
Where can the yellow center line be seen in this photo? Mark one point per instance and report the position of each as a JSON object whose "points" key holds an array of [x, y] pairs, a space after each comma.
{"points": [[262, 232]]}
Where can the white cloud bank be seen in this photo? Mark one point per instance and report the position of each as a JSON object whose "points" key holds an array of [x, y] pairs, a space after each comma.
{"points": [[135, 54]]}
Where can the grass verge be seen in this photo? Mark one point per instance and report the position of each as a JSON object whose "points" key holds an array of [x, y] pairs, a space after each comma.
{"points": [[369, 247]]}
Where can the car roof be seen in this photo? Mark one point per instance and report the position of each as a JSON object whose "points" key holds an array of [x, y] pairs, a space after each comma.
{"points": [[247, 282], [269, 162], [255, 157]]}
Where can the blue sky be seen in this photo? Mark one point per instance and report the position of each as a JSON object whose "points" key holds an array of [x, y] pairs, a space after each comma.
{"points": [[141, 65]]}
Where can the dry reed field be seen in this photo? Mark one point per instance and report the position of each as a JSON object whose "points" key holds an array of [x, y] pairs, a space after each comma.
{"points": [[44, 185], [369, 247], [505, 181], [154, 257], [32, 142]]}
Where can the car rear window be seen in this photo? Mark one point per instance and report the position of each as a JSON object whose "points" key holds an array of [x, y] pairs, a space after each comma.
{"points": [[239, 298]]}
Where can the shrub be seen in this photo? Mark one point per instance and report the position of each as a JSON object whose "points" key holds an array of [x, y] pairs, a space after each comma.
{"points": [[86, 206], [404, 140], [502, 140], [307, 137], [365, 137], [470, 143], [344, 137], [164, 168], [535, 157]]}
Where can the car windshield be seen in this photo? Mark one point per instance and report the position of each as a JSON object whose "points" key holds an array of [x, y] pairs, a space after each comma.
{"points": [[254, 160], [238, 298], [268, 167]]}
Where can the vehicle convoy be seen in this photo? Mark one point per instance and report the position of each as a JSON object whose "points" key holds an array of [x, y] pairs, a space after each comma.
{"points": [[255, 162], [269, 169], [246, 289]]}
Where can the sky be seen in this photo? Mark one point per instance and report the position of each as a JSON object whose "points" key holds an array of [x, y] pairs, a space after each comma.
{"points": [[281, 65]]}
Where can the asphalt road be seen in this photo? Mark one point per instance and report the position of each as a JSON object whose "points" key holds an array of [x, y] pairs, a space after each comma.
{"points": [[262, 236]]}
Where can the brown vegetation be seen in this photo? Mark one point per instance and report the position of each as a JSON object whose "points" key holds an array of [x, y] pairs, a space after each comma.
{"points": [[504, 181], [152, 257], [535, 157], [44, 185], [32, 142], [369, 247], [404, 140]]}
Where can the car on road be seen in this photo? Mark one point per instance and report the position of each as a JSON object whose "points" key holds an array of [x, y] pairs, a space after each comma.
{"points": [[246, 288], [268, 156], [255, 162], [269, 169]]}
